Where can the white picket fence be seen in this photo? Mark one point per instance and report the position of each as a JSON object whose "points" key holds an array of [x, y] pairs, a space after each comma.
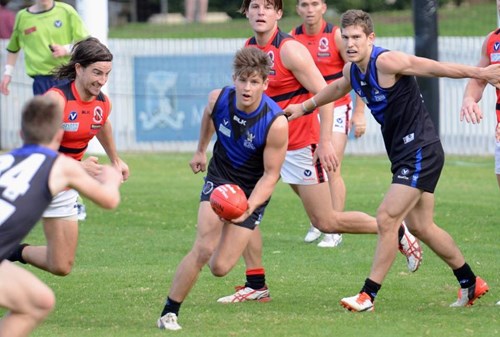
{"points": [[165, 128]]}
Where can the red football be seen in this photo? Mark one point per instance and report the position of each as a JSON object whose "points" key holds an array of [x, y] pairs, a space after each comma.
{"points": [[228, 201]]}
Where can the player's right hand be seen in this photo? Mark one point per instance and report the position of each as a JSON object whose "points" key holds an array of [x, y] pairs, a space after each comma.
{"points": [[92, 166], [199, 162]]}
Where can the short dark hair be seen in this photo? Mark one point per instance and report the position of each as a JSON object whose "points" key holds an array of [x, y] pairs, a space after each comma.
{"points": [[251, 60], [278, 5], [85, 52], [41, 118]]}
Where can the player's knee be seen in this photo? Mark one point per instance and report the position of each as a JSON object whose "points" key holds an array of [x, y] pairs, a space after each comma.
{"points": [[385, 221], [43, 304], [202, 254], [219, 269]]}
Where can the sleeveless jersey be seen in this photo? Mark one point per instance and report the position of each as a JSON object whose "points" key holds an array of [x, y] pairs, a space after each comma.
{"points": [[24, 192], [405, 122], [81, 120], [493, 52], [241, 138], [284, 89], [325, 53], [34, 32]]}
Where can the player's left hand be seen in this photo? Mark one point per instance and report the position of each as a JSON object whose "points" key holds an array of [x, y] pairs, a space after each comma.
{"points": [[325, 153], [470, 111]]}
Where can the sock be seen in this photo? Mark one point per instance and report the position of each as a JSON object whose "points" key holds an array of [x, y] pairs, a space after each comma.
{"points": [[371, 288], [17, 254], [401, 232], [171, 306], [466, 278], [256, 278]]}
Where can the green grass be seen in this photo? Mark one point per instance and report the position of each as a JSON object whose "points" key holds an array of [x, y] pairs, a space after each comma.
{"points": [[467, 20], [127, 258]]}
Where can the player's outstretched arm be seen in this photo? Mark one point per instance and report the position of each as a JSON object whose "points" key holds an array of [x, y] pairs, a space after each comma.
{"points": [[102, 190]]}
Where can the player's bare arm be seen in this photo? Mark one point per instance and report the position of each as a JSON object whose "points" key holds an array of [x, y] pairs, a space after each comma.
{"points": [[298, 60], [199, 161], [394, 63], [104, 190], [274, 155], [473, 93], [105, 137]]}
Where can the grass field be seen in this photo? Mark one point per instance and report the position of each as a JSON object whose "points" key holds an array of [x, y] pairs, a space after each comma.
{"points": [[467, 20], [126, 260]]}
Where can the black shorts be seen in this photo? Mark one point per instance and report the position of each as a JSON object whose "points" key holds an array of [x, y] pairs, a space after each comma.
{"points": [[420, 169], [251, 222]]}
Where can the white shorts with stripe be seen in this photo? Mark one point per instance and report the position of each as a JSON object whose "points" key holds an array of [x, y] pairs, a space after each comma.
{"points": [[342, 118], [298, 168], [63, 205]]}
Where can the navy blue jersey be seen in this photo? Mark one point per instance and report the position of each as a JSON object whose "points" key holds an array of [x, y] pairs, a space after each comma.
{"points": [[241, 138], [405, 122], [24, 192]]}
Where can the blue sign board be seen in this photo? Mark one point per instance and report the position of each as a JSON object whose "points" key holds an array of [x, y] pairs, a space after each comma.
{"points": [[171, 93]]}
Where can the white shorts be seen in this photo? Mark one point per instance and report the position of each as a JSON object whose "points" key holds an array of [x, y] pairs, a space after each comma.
{"points": [[342, 118], [497, 157], [298, 168], [63, 205]]}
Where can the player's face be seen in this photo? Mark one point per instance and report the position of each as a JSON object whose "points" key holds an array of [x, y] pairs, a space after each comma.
{"points": [[91, 79], [357, 44], [311, 11], [262, 16], [249, 90]]}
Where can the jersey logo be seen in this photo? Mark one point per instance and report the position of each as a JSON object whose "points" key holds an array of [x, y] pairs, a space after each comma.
{"points": [[323, 45], [30, 30], [494, 57], [58, 24], [70, 127], [208, 187], [496, 46], [240, 121], [408, 138], [98, 115], [271, 56], [72, 115], [404, 174], [224, 130], [248, 143]]}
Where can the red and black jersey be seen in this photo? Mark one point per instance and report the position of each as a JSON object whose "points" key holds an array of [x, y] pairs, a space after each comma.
{"points": [[81, 120], [285, 89], [325, 53]]}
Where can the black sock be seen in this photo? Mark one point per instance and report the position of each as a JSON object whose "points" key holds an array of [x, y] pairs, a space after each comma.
{"points": [[465, 276], [256, 278], [401, 232], [371, 288], [171, 306], [17, 254]]}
